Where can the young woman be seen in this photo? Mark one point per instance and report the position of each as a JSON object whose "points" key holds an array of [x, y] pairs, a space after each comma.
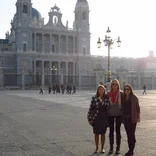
{"points": [[98, 117], [115, 113], [131, 116]]}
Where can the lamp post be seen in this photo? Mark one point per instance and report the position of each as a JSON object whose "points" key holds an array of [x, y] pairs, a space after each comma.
{"points": [[108, 41], [53, 69]]}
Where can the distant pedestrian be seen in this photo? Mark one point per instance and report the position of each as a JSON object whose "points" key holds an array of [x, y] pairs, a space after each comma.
{"points": [[144, 90], [49, 89], [62, 88], [41, 91], [70, 89], [131, 116], [67, 89], [98, 116], [54, 88], [74, 89], [57, 88]]}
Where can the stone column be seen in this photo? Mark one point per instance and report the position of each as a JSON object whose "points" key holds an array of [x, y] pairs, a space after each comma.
{"points": [[30, 43], [59, 43], [43, 43], [59, 68], [74, 72], [34, 70], [50, 75], [50, 43], [43, 74], [66, 72], [23, 79], [34, 41], [59, 72], [61, 77], [74, 45], [34, 67], [1, 78], [66, 44]]}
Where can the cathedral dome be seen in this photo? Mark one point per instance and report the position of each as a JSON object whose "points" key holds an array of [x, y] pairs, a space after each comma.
{"points": [[82, 1], [36, 13]]}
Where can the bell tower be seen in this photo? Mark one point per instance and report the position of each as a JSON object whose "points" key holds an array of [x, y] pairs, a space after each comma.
{"points": [[23, 13], [21, 22], [81, 22], [81, 25]]}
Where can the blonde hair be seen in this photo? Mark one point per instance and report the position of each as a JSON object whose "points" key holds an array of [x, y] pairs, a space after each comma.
{"points": [[117, 81]]}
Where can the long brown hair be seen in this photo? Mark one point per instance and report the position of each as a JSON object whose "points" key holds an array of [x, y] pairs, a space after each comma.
{"points": [[97, 92], [130, 87]]}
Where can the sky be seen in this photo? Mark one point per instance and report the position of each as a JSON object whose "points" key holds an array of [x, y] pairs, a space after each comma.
{"points": [[132, 20]]}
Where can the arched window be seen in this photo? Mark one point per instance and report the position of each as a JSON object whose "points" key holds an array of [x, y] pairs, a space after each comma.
{"points": [[84, 15], [25, 9]]}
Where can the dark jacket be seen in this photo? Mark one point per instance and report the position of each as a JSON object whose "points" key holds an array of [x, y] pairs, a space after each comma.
{"points": [[135, 108], [95, 106]]}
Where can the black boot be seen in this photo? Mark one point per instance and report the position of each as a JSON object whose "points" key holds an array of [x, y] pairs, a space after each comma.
{"points": [[111, 149], [131, 149], [111, 140], [117, 150], [118, 142], [129, 153]]}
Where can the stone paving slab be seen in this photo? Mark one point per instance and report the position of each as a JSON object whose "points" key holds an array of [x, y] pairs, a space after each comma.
{"points": [[56, 125]]}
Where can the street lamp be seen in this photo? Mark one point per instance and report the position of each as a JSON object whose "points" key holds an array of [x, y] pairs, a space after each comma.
{"points": [[53, 69], [108, 41]]}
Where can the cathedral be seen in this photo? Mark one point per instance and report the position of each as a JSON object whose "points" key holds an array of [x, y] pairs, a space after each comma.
{"points": [[36, 53]]}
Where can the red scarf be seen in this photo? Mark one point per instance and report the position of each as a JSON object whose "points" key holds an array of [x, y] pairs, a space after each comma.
{"points": [[113, 96]]}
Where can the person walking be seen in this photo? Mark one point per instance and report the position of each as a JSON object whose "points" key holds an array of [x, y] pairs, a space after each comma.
{"points": [[49, 89], [144, 90], [62, 88], [54, 88], [115, 115], [74, 89], [41, 90], [131, 116], [98, 116]]}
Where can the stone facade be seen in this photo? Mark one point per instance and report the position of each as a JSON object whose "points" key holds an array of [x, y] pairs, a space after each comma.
{"points": [[50, 52]]}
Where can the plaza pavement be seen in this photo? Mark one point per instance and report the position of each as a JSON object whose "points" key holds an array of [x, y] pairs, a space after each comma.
{"points": [[56, 125]]}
